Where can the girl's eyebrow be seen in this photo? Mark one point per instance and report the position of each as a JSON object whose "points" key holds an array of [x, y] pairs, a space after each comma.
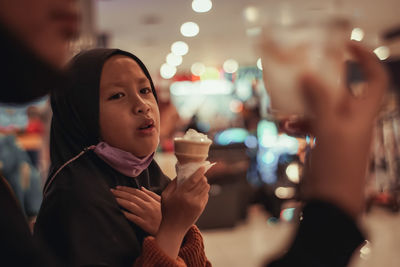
{"points": [[142, 80], [123, 84], [117, 84]]}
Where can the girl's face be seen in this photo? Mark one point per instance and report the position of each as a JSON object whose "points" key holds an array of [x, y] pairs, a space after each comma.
{"points": [[129, 116]]}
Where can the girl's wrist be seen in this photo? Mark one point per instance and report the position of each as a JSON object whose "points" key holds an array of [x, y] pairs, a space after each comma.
{"points": [[171, 229], [170, 239]]}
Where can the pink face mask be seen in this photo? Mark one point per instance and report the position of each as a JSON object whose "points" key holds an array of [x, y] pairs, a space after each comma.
{"points": [[122, 161]]}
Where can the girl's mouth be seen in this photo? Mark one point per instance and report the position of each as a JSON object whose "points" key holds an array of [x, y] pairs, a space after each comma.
{"points": [[147, 124], [147, 127]]}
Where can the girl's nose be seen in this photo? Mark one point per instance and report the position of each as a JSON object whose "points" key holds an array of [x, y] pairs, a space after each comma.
{"points": [[142, 108]]}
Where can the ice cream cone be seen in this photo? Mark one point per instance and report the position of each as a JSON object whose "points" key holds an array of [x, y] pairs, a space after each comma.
{"points": [[191, 151], [192, 147]]}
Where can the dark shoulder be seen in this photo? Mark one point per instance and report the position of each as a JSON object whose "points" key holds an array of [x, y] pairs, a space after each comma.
{"points": [[85, 177], [158, 180]]}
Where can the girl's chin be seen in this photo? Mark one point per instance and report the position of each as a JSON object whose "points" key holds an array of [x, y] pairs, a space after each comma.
{"points": [[142, 148], [143, 154]]}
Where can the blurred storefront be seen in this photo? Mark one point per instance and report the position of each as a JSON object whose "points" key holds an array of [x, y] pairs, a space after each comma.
{"points": [[256, 163]]}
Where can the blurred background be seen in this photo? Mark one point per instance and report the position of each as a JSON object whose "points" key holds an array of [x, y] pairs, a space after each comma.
{"points": [[205, 63]]}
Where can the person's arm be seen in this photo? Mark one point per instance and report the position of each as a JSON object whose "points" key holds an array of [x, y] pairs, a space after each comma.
{"points": [[326, 237], [191, 252], [335, 175], [153, 256], [343, 128]]}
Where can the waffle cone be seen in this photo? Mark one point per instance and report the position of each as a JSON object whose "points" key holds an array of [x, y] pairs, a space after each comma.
{"points": [[187, 151]]}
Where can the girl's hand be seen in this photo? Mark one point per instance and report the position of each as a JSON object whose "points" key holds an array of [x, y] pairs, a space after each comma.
{"points": [[142, 207], [183, 205]]}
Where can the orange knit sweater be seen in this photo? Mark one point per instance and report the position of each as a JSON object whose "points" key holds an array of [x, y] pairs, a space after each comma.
{"points": [[191, 253]]}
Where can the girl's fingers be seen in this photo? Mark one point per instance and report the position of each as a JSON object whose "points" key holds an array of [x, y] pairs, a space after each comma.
{"points": [[136, 192], [128, 196], [130, 206], [369, 63], [134, 218], [190, 183], [200, 187], [151, 194], [126, 189]]}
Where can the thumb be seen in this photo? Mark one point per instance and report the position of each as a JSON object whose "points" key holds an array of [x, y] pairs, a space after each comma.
{"points": [[193, 180]]}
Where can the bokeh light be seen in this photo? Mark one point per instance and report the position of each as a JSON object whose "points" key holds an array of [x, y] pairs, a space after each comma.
{"points": [[230, 66], [190, 29], [201, 6], [167, 71], [198, 69], [180, 48]]}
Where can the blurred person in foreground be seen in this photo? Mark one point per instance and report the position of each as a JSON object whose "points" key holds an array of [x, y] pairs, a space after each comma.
{"points": [[334, 190], [34, 39]]}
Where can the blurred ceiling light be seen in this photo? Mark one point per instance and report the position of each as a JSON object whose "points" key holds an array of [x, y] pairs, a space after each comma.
{"points": [[198, 69], [230, 66], [190, 29], [293, 172], [255, 31], [382, 52], [251, 14], [167, 71], [174, 60], [180, 48], [284, 192], [201, 6], [259, 64], [357, 34]]}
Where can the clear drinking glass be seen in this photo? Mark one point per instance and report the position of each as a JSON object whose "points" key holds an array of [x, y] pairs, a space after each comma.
{"points": [[291, 48]]}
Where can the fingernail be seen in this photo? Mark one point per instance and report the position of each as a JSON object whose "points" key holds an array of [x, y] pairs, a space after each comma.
{"points": [[112, 190]]}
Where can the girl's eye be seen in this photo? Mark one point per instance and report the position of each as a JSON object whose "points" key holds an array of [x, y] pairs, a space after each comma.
{"points": [[146, 90], [116, 96]]}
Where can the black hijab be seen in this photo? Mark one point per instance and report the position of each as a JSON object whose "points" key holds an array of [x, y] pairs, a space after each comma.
{"points": [[79, 216]]}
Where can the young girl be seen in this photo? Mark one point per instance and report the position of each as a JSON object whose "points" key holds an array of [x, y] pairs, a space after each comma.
{"points": [[104, 132]]}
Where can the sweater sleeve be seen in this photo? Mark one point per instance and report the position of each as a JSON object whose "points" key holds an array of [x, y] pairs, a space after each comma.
{"points": [[191, 253], [192, 250], [153, 256]]}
